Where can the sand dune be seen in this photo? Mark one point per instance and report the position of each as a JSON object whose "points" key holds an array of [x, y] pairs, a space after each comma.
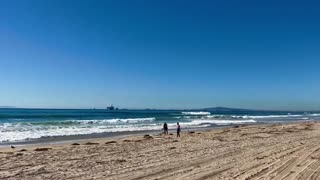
{"points": [[290, 151]]}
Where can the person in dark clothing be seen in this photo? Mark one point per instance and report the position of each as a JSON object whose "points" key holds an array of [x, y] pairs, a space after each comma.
{"points": [[178, 129], [165, 128]]}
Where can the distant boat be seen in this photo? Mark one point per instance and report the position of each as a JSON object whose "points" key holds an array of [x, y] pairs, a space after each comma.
{"points": [[111, 108]]}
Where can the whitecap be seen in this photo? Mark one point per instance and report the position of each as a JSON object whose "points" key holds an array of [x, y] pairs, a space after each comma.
{"points": [[315, 114], [271, 116], [196, 113], [117, 120], [219, 122]]}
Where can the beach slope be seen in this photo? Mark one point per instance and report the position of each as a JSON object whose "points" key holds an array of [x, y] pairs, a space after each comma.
{"points": [[290, 151]]}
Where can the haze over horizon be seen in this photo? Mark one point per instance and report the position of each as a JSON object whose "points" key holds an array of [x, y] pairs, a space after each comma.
{"points": [[233, 109], [160, 54]]}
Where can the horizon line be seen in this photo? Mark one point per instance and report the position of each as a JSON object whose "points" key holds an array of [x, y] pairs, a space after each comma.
{"points": [[169, 109]]}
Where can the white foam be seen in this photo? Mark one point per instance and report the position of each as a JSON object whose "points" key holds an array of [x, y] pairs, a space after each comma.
{"points": [[271, 116], [37, 132], [314, 114], [219, 116], [23, 131], [18, 132], [254, 116], [219, 122], [196, 113]]}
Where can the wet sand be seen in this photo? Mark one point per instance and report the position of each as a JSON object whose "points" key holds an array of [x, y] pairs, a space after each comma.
{"points": [[288, 151]]}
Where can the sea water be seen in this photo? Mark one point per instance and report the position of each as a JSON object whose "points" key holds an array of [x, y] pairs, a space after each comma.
{"points": [[21, 125]]}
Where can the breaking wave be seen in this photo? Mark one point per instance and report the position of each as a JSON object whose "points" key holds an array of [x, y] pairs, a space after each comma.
{"points": [[196, 113], [108, 121], [219, 122], [272, 116]]}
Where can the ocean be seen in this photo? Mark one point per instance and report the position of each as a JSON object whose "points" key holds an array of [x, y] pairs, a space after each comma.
{"points": [[26, 125]]}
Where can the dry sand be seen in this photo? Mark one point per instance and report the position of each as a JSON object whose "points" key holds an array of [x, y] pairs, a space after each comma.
{"points": [[290, 151]]}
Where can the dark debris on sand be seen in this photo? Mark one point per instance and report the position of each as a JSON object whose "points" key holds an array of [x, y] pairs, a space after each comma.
{"points": [[111, 142], [91, 143], [19, 154], [42, 149], [121, 160], [147, 136]]}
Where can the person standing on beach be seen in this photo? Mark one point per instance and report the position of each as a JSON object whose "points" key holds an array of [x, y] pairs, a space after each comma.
{"points": [[165, 128], [178, 129]]}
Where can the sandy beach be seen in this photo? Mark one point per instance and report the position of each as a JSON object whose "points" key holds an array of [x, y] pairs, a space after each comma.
{"points": [[289, 151]]}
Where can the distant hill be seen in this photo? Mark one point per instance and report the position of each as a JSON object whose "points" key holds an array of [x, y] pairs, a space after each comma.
{"points": [[225, 109], [7, 107]]}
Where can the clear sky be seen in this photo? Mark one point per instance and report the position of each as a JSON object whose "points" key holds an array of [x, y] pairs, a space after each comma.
{"points": [[160, 54]]}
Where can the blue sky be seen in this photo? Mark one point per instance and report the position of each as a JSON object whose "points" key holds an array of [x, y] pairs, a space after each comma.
{"points": [[160, 54]]}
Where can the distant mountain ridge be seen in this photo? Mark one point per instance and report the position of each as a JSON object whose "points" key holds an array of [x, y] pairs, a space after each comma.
{"points": [[226, 109], [7, 107]]}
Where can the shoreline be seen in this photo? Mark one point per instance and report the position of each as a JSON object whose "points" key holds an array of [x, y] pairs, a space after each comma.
{"points": [[59, 141], [110, 135], [116, 135]]}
